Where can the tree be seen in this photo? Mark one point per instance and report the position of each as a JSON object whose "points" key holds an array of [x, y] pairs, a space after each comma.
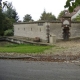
{"points": [[60, 14], [71, 4], [47, 16], [43, 15], [8, 24], [0, 2], [10, 17], [11, 13], [27, 18], [2, 17], [5, 22]]}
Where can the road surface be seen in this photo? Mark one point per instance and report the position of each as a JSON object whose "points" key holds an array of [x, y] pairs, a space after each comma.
{"points": [[31, 70]]}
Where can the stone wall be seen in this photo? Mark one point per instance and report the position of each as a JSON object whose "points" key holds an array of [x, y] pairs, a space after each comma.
{"points": [[75, 30], [56, 30], [37, 29], [30, 30]]}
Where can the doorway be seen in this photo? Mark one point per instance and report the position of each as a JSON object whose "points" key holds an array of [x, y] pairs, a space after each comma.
{"points": [[66, 33]]}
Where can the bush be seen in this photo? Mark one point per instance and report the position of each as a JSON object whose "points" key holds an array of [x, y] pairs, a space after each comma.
{"points": [[8, 32]]}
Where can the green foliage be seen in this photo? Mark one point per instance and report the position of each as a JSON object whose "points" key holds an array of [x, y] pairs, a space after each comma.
{"points": [[8, 24], [27, 18], [0, 2], [60, 14], [5, 24], [47, 16], [7, 18], [8, 32], [11, 13], [2, 18], [77, 18], [71, 4]]}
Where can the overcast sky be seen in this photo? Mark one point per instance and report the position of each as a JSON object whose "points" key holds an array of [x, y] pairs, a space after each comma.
{"points": [[36, 7]]}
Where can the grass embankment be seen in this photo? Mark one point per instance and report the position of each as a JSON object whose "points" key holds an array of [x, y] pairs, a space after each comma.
{"points": [[23, 48]]}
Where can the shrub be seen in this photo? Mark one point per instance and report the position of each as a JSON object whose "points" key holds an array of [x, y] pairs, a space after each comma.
{"points": [[8, 32]]}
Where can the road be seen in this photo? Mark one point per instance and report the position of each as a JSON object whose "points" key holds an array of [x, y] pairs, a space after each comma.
{"points": [[36, 70]]}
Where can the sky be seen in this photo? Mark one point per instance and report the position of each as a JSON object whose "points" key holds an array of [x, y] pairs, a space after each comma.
{"points": [[36, 7]]}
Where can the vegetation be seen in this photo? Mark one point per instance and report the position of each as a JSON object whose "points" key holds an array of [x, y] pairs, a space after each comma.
{"points": [[47, 16], [8, 16], [60, 14], [27, 18], [11, 13], [23, 48], [71, 4], [8, 32]]}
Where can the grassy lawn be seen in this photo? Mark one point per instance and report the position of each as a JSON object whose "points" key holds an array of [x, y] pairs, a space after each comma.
{"points": [[23, 48]]}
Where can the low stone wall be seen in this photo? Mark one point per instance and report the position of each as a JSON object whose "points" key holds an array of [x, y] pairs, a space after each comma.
{"points": [[22, 41]]}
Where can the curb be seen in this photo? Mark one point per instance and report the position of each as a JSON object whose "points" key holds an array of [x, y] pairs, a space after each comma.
{"points": [[6, 57], [44, 58]]}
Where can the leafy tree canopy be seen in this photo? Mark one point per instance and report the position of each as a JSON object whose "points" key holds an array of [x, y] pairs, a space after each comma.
{"points": [[5, 21], [61, 14], [2, 17], [71, 4], [27, 18], [11, 12], [47, 16]]}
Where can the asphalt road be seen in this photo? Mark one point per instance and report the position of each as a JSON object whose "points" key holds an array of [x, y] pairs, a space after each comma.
{"points": [[30, 70]]}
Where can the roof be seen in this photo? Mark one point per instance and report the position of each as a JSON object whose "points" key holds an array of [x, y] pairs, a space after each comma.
{"points": [[42, 21], [73, 13]]}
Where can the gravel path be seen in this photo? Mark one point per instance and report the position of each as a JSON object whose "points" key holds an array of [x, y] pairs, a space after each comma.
{"points": [[66, 48], [72, 47]]}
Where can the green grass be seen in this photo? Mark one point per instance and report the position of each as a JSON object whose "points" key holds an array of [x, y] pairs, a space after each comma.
{"points": [[23, 48]]}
